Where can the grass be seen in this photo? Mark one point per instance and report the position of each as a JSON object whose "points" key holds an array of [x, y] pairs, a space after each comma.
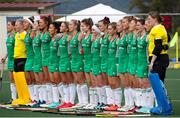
{"points": [[172, 85]]}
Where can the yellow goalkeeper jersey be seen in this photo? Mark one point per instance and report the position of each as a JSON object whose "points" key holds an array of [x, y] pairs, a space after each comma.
{"points": [[20, 49]]}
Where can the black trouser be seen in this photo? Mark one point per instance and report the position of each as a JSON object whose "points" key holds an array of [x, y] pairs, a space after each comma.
{"points": [[19, 64], [160, 65]]}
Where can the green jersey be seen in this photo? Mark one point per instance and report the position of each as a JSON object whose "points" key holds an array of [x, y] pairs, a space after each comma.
{"points": [[10, 42], [129, 39], [54, 58], [112, 59], [63, 47], [104, 46], [46, 39], [133, 49], [96, 60], [86, 45], [96, 48], [64, 61], [142, 66], [77, 58], [29, 52], [104, 53], [37, 47], [122, 54], [122, 47], [112, 49], [142, 49], [29, 47], [54, 49], [74, 46], [37, 53]]}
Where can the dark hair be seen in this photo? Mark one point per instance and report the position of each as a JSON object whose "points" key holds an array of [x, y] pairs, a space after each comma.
{"points": [[129, 18], [76, 22], [31, 19], [142, 21], [88, 22], [56, 25], [113, 24], [156, 14], [12, 23], [105, 21], [46, 19]]}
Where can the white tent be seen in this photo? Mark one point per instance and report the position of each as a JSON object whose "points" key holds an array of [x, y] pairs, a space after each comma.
{"points": [[97, 13]]}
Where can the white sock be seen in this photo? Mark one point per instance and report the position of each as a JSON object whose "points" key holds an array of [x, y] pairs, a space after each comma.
{"points": [[96, 100], [143, 98], [44, 91], [84, 92], [36, 92], [131, 101], [117, 96], [79, 93], [126, 96], [60, 88], [49, 92], [13, 91], [66, 93], [110, 95], [103, 93], [138, 97], [91, 95], [31, 91], [150, 98], [134, 95], [72, 90], [40, 93], [99, 94], [55, 93]]}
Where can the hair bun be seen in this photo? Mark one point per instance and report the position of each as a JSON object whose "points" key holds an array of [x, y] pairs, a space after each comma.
{"points": [[32, 19], [106, 19], [90, 21]]}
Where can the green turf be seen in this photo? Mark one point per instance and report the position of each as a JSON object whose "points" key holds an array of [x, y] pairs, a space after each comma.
{"points": [[172, 84]]}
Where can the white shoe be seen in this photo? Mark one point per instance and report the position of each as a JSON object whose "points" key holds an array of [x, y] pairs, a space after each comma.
{"points": [[129, 108], [91, 106], [45, 105], [31, 104], [86, 106], [79, 105], [123, 108]]}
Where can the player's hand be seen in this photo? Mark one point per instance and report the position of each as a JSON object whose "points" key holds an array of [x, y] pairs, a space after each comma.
{"points": [[3, 60], [81, 36], [81, 51], [151, 67]]}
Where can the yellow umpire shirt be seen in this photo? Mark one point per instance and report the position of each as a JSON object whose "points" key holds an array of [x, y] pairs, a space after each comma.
{"points": [[20, 49], [157, 32]]}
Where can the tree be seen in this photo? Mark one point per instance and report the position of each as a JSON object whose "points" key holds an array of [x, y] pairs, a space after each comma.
{"points": [[164, 6]]}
